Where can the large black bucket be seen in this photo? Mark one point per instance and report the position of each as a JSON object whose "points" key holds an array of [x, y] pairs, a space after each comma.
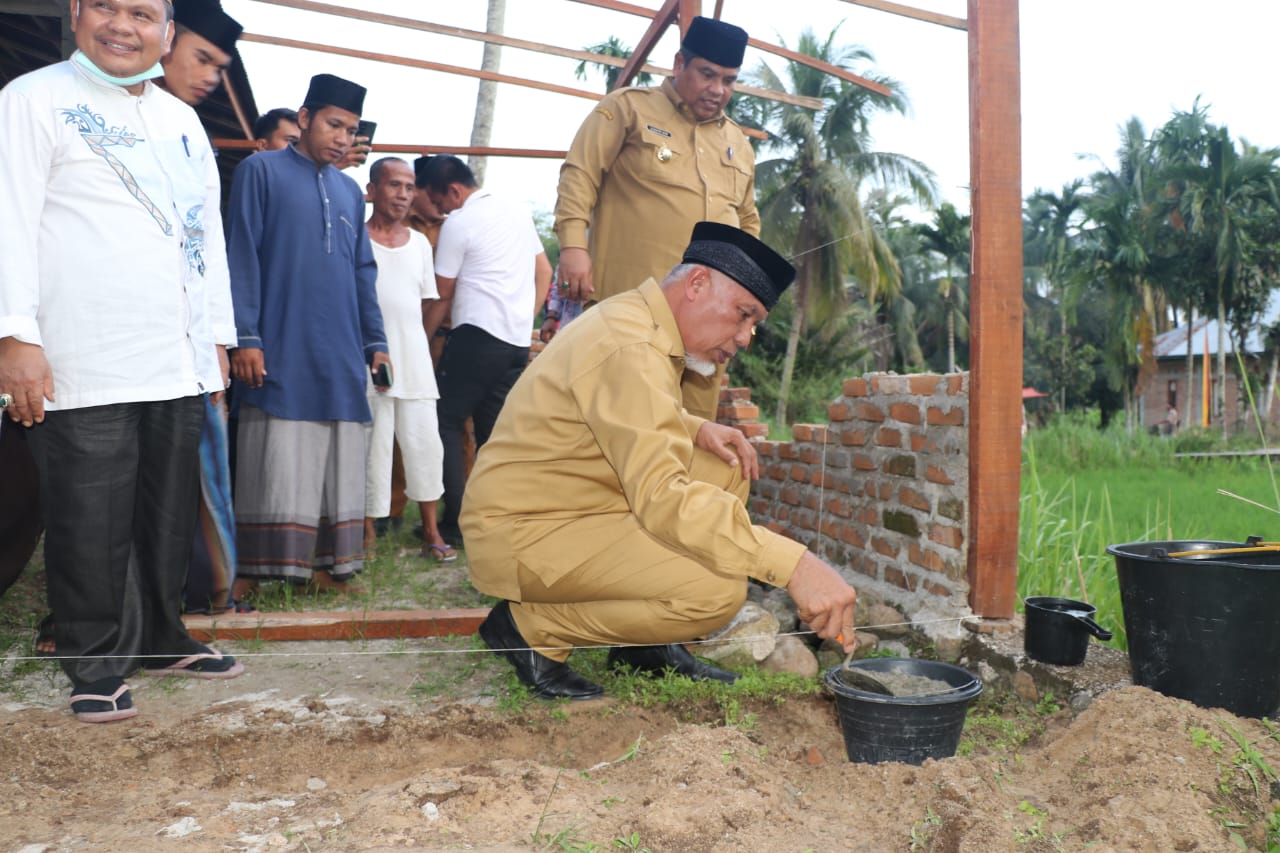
{"points": [[1203, 627], [877, 727]]}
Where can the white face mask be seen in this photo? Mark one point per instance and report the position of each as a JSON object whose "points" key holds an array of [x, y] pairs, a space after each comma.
{"points": [[700, 366], [88, 65]]}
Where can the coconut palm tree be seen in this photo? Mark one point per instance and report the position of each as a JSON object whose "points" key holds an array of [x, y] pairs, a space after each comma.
{"points": [[487, 95], [949, 238], [1053, 222], [809, 193], [614, 47]]}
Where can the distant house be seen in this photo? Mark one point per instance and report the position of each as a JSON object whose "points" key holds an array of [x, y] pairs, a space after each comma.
{"points": [[1167, 388]]}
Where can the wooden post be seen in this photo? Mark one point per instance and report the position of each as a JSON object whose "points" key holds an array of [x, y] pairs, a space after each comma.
{"points": [[995, 322]]}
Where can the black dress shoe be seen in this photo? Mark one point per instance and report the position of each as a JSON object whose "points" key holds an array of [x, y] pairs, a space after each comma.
{"points": [[543, 676], [655, 660]]}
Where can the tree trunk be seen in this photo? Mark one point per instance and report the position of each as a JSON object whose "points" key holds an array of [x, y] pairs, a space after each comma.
{"points": [[1220, 393], [486, 98], [1188, 407], [789, 364]]}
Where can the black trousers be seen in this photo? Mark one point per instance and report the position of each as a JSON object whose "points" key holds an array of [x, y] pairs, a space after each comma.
{"points": [[20, 517], [476, 372], [119, 485]]}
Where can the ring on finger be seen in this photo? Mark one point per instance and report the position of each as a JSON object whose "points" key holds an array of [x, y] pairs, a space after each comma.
{"points": [[6, 400]]}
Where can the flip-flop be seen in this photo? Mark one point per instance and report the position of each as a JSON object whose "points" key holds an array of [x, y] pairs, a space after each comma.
{"points": [[443, 553], [95, 708], [210, 664]]}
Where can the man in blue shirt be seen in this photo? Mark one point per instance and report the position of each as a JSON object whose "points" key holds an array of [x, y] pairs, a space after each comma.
{"points": [[309, 330]]}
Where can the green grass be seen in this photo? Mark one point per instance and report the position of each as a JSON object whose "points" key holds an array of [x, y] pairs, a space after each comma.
{"points": [[1083, 490]]}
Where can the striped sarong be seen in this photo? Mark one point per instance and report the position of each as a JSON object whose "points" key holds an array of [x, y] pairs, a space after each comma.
{"points": [[299, 497]]}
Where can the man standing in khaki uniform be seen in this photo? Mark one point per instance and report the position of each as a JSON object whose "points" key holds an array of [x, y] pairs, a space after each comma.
{"points": [[645, 166], [605, 514]]}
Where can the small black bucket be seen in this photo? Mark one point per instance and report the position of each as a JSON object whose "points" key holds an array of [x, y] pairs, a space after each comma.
{"points": [[909, 729], [1057, 629], [1204, 627]]}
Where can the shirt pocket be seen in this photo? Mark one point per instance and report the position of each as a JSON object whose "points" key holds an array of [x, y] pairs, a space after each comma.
{"points": [[658, 158], [736, 172]]}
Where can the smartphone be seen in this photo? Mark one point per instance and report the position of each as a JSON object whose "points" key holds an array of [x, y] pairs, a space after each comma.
{"points": [[382, 376], [366, 129]]}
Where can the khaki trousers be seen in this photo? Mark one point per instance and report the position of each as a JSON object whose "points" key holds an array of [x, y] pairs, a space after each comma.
{"points": [[638, 591]]}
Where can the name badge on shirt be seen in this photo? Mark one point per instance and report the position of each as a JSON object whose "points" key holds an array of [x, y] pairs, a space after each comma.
{"points": [[658, 131]]}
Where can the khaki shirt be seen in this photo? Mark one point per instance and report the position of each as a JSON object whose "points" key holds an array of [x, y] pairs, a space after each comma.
{"points": [[592, 444], [642, 170]]}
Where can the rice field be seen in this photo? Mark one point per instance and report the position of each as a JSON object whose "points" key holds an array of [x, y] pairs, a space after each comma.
{"points": [[1083, 490]]}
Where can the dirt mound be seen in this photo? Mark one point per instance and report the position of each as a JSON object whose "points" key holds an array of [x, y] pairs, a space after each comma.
{"points": [[298, 766]]}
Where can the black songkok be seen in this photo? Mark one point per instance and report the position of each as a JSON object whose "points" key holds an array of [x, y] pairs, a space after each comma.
{"points": [[326, 90], [206, 18], [715, 41], [743, 258]]}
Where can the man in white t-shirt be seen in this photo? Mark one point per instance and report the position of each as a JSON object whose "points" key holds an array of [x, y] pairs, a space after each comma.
{"points": [[404, 410], [492, 274]]}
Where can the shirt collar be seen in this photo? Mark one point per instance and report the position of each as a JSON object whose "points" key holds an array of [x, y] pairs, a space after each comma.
{"points": [[682, 106], [667, 333]]}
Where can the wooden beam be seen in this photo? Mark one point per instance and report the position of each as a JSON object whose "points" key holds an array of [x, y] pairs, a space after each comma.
{"points": [[336, 625], [818, 64], [522, 44], [235, 105], [419, 148], [418, 63], [912, 12], [661, 20], [995, 318]]}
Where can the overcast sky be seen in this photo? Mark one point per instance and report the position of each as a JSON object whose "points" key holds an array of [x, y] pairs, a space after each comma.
{"points": [[1087, 66]]}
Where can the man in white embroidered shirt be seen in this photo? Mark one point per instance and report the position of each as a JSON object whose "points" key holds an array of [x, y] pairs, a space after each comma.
{"points": [[115, 312]]}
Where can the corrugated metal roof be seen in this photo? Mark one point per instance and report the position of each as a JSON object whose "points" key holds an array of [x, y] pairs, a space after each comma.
{"points": [[1173, 343]]}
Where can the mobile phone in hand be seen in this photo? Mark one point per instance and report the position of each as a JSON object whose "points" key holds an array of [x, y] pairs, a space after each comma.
{"points": [[382, 376], [366, 129]]}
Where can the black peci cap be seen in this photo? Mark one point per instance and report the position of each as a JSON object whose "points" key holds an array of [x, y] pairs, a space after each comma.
{"points": [[715, 41], [326, 90], [207, 19], [743, 258]]}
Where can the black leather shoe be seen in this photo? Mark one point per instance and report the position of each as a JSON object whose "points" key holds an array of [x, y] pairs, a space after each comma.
{"points": [[545, 677], [655, 660]]}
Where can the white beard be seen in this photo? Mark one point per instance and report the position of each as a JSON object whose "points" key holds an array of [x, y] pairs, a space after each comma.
{"points": [[700, 365]]}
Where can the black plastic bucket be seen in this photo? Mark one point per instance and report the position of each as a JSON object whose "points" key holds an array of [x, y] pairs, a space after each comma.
{"points": [[1057, 630], [909, 729], [1206, 627]]}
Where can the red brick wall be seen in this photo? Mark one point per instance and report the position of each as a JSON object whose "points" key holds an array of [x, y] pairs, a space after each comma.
{"points": [[881, 491]]}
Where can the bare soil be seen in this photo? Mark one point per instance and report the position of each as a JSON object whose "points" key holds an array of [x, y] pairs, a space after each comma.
{"points": [[332, 747]]}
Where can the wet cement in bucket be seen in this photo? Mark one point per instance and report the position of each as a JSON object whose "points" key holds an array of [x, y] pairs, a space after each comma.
{"points": [[897, 683]]}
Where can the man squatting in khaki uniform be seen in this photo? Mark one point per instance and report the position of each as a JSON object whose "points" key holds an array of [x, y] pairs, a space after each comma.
{"points": [[605, 514], [645, 166]]}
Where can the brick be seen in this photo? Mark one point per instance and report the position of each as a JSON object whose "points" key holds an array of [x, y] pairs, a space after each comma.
{"points": [[783, 514], [866, 515], [787, 450], [855, 387], [923, 384], [869, 412], [924, 559], [952, 508], [821, 433], [907, 413], [886, 437], [803, 520], [895, 576], [777, 471], [884, 546], [837, 460], [791, 496], [950, 417], [955, 384], [867, 567], [799, 473], [853, 437], [775, 527], [754, 429], [912, 498], [945, 534], [735, 394], [837, 412], [766, 449], [739, 412], [935, 588], [849, 536], [802, 432], [956, 571], [764, 489], [901, 522], [810, 455], [839, 507], [889, 383], [824, 479], [831, 528], [923, 444], [760, 506], [934, 474], [900, 466], [884, 491], [810, 501], [863, 462]]}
